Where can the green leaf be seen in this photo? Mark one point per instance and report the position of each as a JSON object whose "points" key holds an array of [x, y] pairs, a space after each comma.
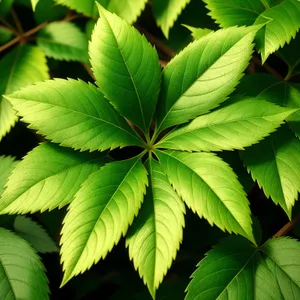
{"points": [[35, 234], [217, 196], [86, 7], [126, 9], [7, 164], [198, 33], [5, 35], [82, 120], [274, 164], [278, 277], [226, 272], [203, 75], [5, 6], [235, 269], [48, 11], [34, 3], [240, 124], [22, 274], [235, 12], [100, 214], [63, 41], [124, 63], [167, 12], [286, 94], [61, 172], [284, 22], [22, 66], [155, 235]]}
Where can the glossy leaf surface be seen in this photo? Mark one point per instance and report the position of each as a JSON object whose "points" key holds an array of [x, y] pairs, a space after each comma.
{"points": [[235, 126], [215, 195], [155, 235], [82, 120], [274, 164], [22, 66], [63, 41], [203, 75], [124, 63], [100, 214], [63, 172], [167, 12]]}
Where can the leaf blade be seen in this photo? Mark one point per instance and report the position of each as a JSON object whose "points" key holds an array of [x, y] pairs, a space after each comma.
{"points": [[85, 239], [273, 164], [125, 63], [55, 185], [87, 123], [240, 124], [191, 82], [215, 195], [22, 274], [22, 66], [155, 236], [63, 41]]}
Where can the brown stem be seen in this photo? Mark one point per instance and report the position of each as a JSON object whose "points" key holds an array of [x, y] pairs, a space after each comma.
{"points": [[170, 53], [287, 227], [17, 21], [9, 27], [268, 68], [32, 31], [88, 69]]}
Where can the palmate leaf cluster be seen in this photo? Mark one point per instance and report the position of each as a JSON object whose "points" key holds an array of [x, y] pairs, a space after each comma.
{"points": [[176, 118]]}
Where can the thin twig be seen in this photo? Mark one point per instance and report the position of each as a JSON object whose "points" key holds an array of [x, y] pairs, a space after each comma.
{"points": [[33, 31], [268, 68], [17, 21], [9, 26], [170, 53], [88, 69], [287, 227]]}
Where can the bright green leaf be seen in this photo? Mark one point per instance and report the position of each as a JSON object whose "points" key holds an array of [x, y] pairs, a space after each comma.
{"points": [[284, 22], [126, 9], [34, 3], [7, 164], [86, 7], [240, 124], [166, 13], [124, 63], [100, 214], [61, 174], [74, 114], [155, 236], [274, 163], [235, 12], [35, 234], [235, 269], [203, 75], [198, 33], [22, 66], [22, 274], [210, 188], [63, 41]]}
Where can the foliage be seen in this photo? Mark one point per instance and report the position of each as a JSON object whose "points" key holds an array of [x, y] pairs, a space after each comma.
{"points": [[146, 143]]}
